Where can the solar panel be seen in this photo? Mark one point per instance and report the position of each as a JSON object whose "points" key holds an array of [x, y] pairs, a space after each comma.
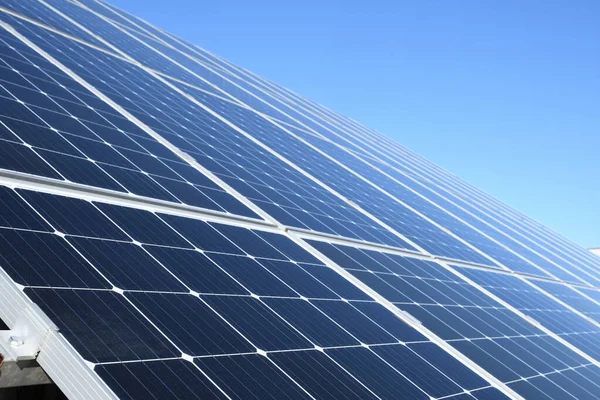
{"points": [[476, 324], [54, 133], [191, 230], [137, 287]]}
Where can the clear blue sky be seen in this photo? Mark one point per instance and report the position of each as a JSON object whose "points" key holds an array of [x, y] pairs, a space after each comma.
{"points": [[505, 94]]}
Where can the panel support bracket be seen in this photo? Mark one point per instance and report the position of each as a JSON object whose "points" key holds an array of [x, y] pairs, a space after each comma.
{"points": [[19, 347]]}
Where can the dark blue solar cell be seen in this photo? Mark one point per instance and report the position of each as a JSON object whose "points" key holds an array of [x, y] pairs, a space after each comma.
{"points": [[230, 203], [437, 291], [80, 170], [448, 318], [102, 325], [448, 365], [127, 265], [527, 354], [591, 373], [257, 323], [432, 322], [571, 297], [545, 385], [547, 356], [151, 165], [15, 213], [574, 384], [580, 377], [388, 321], [143, 226], [253, 276], [10, 78], [354, 322], [482, 320], [20, 158], [490, 393], [196, 271], [63, 123], [187, 194], [417, 370], [362, 259], [335, 282], [374, 282], [320, 376], [45, 259], [505, 357], [286, 246], [559, 350], [201, 234], [321, 330], [376, 374], [249, 242], [144, 144], [116, 138], [336, 255], [30, 96], [5, 133], [73, 216], [587, 342], [138, 183], [464, 396], [404, 286], [529, 391], [185, 318], [101, 152], [298, 279], [191, 174], [13, 109], [250, 377], [158, 379], [486, 361], [39, 137]]}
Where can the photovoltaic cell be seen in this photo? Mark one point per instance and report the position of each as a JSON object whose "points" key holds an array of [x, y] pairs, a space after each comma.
{"points": [[138, 380]]}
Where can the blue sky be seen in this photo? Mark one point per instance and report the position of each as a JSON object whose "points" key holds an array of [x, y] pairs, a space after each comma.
{"points": [[505, 94]]}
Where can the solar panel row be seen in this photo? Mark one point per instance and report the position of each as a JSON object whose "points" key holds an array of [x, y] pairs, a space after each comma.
{"points": [[412, 168], [277, 188], [196, 231], [474, 237], [499, 252], [67, 134], [486, 331], [423, 177], [364, 196], [136, 292]]}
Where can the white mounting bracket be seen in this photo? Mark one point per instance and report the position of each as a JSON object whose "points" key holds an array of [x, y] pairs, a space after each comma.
{"points": [[20, 346]]}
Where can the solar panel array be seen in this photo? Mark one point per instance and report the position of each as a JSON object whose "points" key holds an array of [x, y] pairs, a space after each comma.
{"points": [[196, 231]]}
